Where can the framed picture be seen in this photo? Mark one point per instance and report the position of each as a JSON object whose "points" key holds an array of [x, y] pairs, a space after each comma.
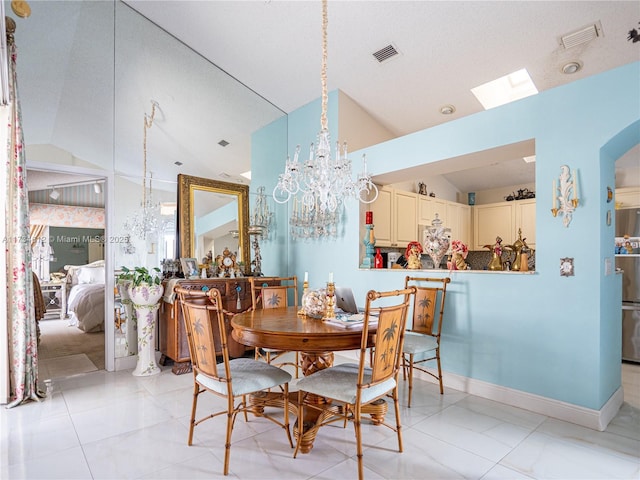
{"points": [[189, 267]]}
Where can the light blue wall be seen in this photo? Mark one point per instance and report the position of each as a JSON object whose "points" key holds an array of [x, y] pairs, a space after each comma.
{"points": [[558, 337]]}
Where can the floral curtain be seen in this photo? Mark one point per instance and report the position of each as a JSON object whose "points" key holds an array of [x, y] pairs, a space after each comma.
{"points": [[23, 348]]}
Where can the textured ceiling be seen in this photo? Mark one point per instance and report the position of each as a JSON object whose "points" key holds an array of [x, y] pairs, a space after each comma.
{"points": [[273, 48]]}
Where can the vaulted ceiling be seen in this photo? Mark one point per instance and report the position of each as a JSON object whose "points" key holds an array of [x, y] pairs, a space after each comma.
{"points": [[273, 48]]}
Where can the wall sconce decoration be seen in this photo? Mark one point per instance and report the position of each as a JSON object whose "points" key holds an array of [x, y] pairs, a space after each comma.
{"points": [[565, 195]]}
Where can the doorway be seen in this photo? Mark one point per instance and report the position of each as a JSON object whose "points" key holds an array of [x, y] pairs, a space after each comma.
{"points": [[68, 212]]}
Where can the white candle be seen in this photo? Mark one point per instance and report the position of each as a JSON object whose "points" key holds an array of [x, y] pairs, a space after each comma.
{"points": [[306, 276], [330, 277], [575, 185], [555, 195]]}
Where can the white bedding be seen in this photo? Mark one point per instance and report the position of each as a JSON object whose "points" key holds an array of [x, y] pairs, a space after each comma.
{"points": [[86, 304], [85, 299]]}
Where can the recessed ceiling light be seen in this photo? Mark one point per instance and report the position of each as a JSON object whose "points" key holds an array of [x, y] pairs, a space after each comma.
{"points": [[505, 89], [447, 109], [529, 159], [571, 67], [247, 175], [178, 163], [223, 143]]}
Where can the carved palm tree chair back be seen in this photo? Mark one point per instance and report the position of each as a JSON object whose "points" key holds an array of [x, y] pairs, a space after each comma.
{"points": [[422, 342], [216, 373], [275, 292], [349, 387]]}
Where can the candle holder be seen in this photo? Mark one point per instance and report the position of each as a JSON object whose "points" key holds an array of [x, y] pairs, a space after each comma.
{"points": [[305, 288], [331, 293], [566, 194]]}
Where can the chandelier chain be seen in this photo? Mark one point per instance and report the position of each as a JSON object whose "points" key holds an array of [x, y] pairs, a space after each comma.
{"points": [[148, 123], [324, 123]]}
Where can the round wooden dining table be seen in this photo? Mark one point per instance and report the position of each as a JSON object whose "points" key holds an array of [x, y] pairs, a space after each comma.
{"points": [[315, 339]]}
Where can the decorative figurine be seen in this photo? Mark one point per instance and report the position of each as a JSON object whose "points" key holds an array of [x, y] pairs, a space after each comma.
{"points": [[459, 252], [496, 259], [412, 253]]}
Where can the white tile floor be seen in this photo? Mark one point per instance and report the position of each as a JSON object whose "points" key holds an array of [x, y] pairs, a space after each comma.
{"points": [[113, 426]]}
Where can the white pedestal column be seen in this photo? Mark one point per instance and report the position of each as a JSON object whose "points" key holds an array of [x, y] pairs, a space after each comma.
{"points": [[145, 299]]}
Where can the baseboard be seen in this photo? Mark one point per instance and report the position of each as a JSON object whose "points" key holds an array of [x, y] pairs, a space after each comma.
{"points": [[586, 417]]}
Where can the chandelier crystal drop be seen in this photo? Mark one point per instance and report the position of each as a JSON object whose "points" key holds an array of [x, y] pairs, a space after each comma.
{"points": [[320, 185]]}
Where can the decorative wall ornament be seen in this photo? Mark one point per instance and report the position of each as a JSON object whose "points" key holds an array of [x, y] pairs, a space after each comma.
{"points": [[566, 267], [565, 194]]}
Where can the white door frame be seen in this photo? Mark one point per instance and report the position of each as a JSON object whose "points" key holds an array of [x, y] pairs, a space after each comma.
{"points": [[109, 325]]}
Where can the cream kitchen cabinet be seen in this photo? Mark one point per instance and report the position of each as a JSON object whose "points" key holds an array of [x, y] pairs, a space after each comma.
{"points": [[490, 221], [459, 221], [428, 207], [394, 217], [525, 218], [503, 219], [381, 209]]}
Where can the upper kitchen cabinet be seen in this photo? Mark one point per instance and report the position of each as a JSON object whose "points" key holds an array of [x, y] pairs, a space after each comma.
{"points": [[394, 217], [503, 220]]}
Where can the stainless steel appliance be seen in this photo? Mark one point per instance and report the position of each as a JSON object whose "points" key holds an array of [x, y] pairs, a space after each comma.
{"points": [[628, 260]]}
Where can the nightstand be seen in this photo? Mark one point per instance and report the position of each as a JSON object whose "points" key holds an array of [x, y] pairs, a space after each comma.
{"points": [[55, 298]]}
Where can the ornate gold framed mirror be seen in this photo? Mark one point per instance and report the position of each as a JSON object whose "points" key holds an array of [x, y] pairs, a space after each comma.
{"points": [[212, 216]]}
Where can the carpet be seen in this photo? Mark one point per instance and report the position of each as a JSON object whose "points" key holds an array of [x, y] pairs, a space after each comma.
{"points": [[59, 340], [67, 366]]}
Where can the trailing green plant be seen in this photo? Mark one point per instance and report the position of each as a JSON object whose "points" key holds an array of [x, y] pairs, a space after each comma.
{"points": [[140, 275]]}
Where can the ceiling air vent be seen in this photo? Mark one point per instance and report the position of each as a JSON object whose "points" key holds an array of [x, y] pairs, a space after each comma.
{"points": [[385, 53], [581, 36]]}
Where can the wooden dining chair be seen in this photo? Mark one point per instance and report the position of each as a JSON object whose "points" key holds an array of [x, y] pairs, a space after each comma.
{"points": [[422, 340], [349, 387], [277, 292], [230, 379]]}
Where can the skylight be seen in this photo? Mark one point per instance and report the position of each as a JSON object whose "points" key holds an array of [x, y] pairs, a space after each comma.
{"points": [[505, 89]]}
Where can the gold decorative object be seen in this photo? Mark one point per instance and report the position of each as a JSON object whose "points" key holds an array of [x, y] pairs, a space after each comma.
{"points": [[565, 195], [519, 247], [331, 295], [496, 259], [21, 8], [305, 289]]}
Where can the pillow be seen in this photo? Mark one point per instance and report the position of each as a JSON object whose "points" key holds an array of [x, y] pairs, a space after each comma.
{"points": [[90, 275]]}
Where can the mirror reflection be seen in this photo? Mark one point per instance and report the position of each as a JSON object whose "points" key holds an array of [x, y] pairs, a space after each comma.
{"points": [[88, 72], [214, 217]]}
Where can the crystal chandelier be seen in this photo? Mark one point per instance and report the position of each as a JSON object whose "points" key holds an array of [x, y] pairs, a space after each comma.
{"points": [[320, 185], [145, 221], [261, 216]]}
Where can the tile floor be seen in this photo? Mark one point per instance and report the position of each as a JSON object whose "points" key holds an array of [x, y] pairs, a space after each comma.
{"points": [[114, 426]]}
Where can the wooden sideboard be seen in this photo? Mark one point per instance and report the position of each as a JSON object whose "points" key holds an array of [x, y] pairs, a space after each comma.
{"points": [[236, 297]]}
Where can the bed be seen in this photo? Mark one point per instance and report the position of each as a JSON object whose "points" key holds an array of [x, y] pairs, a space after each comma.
{"points": [[85, 296]]}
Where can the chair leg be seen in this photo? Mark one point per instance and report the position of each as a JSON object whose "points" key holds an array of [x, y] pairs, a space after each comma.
{"points": [[300, 422], [192, 422], [396, 404], [244, 410], [286, 413], [358, 429], [227, 444], [410, 379], [439, 370]]}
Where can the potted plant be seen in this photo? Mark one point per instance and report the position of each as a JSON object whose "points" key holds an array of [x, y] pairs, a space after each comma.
{"points": [[145, 291]]}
